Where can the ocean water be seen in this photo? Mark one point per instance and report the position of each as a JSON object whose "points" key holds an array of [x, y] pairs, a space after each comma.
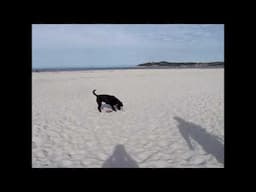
{"points": [[82, 69], [111, 68]]}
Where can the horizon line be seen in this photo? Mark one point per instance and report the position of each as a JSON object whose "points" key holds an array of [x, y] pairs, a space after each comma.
{"points": [[125, 66]]}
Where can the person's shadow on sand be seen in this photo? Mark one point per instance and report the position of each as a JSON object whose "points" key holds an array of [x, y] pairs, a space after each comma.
{"points": [[120, 159], [209, 143]]}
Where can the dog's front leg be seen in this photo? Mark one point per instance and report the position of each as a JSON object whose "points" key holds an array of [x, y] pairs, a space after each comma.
{"points": [[113, 108]]}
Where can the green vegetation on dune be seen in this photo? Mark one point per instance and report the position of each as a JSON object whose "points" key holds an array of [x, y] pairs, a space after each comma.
{"points": [[182, 64]]}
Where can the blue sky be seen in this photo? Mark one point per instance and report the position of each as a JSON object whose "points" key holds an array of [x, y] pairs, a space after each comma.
{"points": [[116, 45]]}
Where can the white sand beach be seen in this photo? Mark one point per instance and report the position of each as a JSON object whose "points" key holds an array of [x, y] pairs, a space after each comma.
{"points": [[172, 118]]}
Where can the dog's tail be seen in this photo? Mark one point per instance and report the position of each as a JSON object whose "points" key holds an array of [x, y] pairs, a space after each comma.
{"points": [[94, 92]]}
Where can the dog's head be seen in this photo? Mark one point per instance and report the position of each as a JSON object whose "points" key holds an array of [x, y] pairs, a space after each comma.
{"points": [[119, 105]]}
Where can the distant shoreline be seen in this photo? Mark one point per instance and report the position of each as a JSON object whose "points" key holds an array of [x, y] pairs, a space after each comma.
{"points": [[124, 68]]}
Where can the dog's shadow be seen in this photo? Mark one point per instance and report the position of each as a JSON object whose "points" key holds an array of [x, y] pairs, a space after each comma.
{"points": [[106, 108]]}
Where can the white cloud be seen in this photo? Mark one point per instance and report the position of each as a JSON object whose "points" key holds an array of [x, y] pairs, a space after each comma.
{"points": [[73, 36], [67, 36]]}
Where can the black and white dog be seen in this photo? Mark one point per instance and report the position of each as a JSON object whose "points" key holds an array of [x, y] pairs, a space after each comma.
{"points": [[108, 99]]}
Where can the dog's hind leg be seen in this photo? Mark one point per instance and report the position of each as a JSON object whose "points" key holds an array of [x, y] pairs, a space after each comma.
{"points": [[99, 105]]}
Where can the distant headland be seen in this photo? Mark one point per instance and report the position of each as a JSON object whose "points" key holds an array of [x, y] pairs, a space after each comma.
{"points": [[182, 64]]}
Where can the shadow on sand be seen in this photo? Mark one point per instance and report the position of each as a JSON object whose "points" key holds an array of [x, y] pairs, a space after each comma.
{"points": [[106, 108], [209, 143], [120, 159]]}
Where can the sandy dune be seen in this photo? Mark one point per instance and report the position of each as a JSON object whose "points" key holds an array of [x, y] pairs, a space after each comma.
{"points": [[171, 118]]}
